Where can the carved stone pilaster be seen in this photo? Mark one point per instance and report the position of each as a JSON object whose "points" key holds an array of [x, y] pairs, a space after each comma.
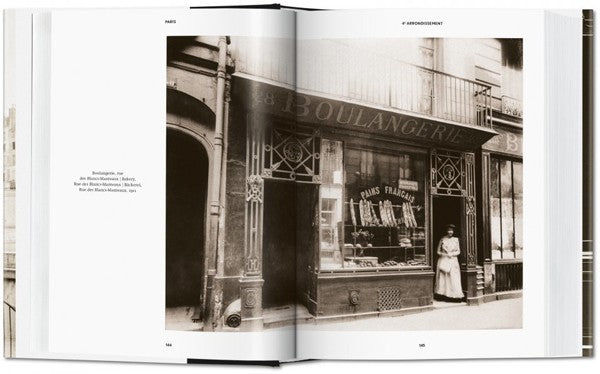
{"points": [[251, 303]]}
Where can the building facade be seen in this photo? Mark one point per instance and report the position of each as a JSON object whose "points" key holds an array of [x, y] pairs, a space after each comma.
{"points": [[331, 168]]}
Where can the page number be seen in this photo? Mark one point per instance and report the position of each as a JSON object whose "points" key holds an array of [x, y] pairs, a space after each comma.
{"points": [[168, 344], [421, 345]]}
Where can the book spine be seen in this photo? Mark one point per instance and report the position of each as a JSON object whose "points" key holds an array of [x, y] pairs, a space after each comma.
{"points": [[588, 177]]}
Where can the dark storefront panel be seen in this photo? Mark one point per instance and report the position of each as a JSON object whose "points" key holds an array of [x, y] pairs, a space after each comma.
{"points": [[279, 244], [371, 292], [187, 171]]}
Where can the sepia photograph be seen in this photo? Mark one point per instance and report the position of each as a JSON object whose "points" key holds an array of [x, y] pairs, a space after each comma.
{"points": [[343, 184]]}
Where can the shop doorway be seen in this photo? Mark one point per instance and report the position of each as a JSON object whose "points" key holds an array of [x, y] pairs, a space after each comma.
{"points": [[186, 193], [279, 244], [446, 210]]}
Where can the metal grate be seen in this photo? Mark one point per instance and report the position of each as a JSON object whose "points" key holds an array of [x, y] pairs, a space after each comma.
{"points": [[509, 276], [448, 173], [292, 153], [389, 298]]}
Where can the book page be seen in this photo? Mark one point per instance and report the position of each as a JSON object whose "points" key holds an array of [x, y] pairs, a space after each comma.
{"points": [[270, 185], [431, 183], [148, 260]]}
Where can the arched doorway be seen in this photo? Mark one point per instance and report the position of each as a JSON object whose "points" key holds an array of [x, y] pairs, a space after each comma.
{"points": [[186, 195]]}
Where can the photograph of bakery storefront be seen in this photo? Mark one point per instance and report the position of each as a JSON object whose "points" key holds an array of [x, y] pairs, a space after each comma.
{"points": [[340, 178], [380, 151]]}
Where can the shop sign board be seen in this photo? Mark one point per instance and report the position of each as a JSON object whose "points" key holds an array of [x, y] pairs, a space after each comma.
{"points": [[317, 110], [508, 142], [408, 185]]}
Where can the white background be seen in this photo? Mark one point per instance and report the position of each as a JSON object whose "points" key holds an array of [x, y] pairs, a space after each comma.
{"points": [[556, 365]]}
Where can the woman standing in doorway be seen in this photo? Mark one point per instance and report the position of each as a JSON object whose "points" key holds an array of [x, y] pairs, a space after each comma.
{"points": [[447, 277]]}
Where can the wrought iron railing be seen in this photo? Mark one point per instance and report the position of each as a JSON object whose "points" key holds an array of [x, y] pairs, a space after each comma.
{"points": [[336, 69], [342, 71], [460, 100], [509, 276]]}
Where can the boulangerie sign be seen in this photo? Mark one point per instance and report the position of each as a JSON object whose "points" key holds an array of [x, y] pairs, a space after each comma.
{"points": [[358, 116]]}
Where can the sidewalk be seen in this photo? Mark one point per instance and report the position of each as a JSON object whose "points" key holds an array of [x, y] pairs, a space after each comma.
{"points": [[503, 314]]}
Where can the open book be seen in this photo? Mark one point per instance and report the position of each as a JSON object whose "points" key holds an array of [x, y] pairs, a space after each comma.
{"points": [[278, 185]]}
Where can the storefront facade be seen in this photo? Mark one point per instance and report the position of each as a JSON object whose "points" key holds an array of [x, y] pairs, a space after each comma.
{"points": [[337, 180], [501, 174], [375, 189]]}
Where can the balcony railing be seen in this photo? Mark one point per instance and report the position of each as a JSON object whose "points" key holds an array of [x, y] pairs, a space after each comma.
{"points": [[370, 78], [336, 69], [440, 95]]}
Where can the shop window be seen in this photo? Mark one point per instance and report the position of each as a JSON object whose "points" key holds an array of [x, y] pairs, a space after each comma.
{"points": [[331, 191], [375, 217], [506, 209], [518, 207]]}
